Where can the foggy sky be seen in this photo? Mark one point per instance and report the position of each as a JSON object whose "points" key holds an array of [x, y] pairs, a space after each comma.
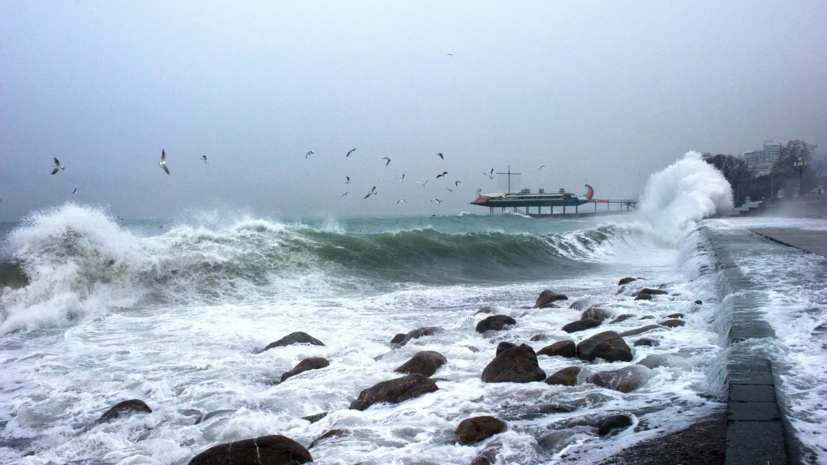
{"points": [[604, 92]]}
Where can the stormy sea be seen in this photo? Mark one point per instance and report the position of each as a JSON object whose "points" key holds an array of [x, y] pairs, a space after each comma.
{"points": [[177, 314]]}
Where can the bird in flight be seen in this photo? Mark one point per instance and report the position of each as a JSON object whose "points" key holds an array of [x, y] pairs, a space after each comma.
{"points": [[348, 180], [204, 157], [440, 155], [490, 175], [351, 151], [58, 167], [437, 200], [163, 162], [400, 201], [402, 178], [370, 192], [308, 154], [346, 193], [75, 191], [449, 189], [541, 167], [450, 54], [423, 183], [441, 175], [457, 183], [388, 162]]}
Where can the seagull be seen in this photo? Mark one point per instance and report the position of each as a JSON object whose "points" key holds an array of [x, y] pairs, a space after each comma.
{"points": [[402, 178], [449, 189], [351, 151], [308, 154], [441, 175], [490, 175], [58, 166], [163, 162], [457, 183], [423, 183], [75, 191], [440, 155], [159, 227], [450, 54], [348, 180], [541, 167], [400, 201], [370, 192], [204, 157], [437, 200], [388, 162], [346, 193]]}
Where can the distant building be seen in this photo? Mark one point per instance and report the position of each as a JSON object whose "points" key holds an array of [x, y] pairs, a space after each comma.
{"points": [[761, 161]]}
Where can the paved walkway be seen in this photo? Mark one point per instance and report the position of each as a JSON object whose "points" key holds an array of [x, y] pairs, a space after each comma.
{"points": [[808, 241]]}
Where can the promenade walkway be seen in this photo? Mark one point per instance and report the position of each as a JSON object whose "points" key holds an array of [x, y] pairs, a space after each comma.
{"points": [[808, 241]]}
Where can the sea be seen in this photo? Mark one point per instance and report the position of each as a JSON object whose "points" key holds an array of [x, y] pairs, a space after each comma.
{"points": [[175, 313]]}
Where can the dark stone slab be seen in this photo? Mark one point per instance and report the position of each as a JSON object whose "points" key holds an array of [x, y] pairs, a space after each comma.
{"points": [[809, 241], [750, 372], [751, 393], [755, 443], [753, 411]]}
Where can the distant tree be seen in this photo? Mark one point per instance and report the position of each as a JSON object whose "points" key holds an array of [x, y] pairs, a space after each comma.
{"points": [[735, 170], [790, 153]]}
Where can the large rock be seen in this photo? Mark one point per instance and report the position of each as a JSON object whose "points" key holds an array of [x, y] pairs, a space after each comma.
{"points": [[648, 290], [645, 341], [398, 339], [474, 430], [418, 333], [614, 422], [547, 297], [621, 318], [607, 345], [124, 409], [503, 346], [624, 380], [595, 313], [294, 338], [517, 365], [425, 363], [675, 315], [315, 418], [654, 360], [310, 363], [496, 323], [672, 323], [266, 450], [328, 434], [565, 377], [580, 325], [562, 349], [394, 391], [625, 281], [641, 330], [643, 297]]}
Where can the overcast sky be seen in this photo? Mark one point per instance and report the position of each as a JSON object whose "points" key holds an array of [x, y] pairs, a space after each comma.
{"points": [[604, 92]]}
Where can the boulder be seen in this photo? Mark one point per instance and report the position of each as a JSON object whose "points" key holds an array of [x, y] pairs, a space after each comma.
{"points": [[647, 317], [623, 317], [503, 346], [474, 430], [310, 363], [425, 363], [643, 297], [315, 418], [394, 391], [580, 325], [547, 297], [624, 380], [270, 450], [420, 332], [565, 377], [398, 338], [608, 424], [675, 315], [124, 409], [641, 330], [673, 323], [698, 302], [607, 345], [538, 337], [595, 313], [327, 434], [517, 365], [486, 457], [648, 290], [294, 338], [654, 361], [495, 323], [625, 281], [562, 348], [645, 341]]}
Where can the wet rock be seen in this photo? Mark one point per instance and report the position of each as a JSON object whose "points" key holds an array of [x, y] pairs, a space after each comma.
{"points": [[581, 303], [672, 323], [425, 363], [495, 323], [503, 346], [624, 380], [595, 313], [698, 302], [647, 317], [650, 291], [294, 338], [398, 339], [517, 365], [614, 422], [328, 434], [675, 315], [623, 317], [271, 450], [124, 409], [565, 377], [581, 325], [547, 297], [607, 345], [486, 310], [538, 337], [654, 361], [641, 330], [474, 430], [643, 297], [555, 441], [418, 333], [625, 281], [394, 391], [561, 349], [310, 363], [645, 341], [315, 418], [213, 414], [486, 457]]}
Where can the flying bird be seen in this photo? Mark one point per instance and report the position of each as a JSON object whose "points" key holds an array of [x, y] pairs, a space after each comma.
{"points": [[441, 175], [457, 183], [370, 192], [348, 180], [58, 167], [204, 157], [351, 151], [450, 54], [75, 191], [541, 167], [440, 155], [163, 163], [346, 193], [388, 162], [402, 178], [423, 183], [449, 189], [308, 154], [400, 201], [437, 200], [490, 175]]}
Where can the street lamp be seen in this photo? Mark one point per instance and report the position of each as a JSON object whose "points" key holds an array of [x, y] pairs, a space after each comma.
{"points": [[799, 166]]}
